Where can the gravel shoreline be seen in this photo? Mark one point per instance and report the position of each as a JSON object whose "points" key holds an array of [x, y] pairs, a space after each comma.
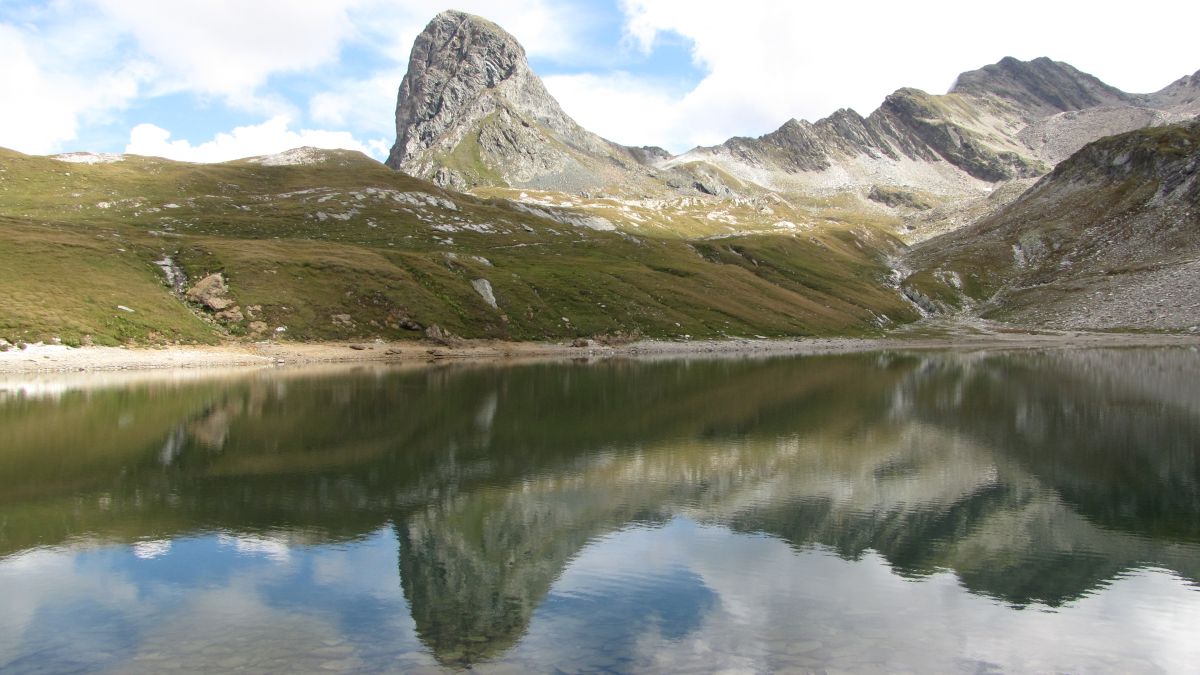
{"points": [[56, 358]]}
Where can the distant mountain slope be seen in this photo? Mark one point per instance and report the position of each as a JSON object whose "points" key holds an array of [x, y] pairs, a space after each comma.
{"points": [[1109, 239]]}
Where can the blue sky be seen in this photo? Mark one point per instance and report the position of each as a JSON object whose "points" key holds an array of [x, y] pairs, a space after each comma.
{"points": [[210, 80]]}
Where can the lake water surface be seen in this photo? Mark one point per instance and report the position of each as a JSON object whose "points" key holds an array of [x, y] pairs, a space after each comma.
{"points": [[921, 512]]}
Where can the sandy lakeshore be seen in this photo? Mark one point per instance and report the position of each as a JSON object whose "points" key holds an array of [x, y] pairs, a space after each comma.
{"points": [[57, 358]]}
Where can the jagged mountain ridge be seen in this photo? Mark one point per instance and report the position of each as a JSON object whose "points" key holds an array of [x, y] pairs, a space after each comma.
{"points": [[471, 115], [1010, 120]]}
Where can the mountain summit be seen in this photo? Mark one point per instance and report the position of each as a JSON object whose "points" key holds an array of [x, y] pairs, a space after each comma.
{"points": [[1040, 87], [470, 112]]}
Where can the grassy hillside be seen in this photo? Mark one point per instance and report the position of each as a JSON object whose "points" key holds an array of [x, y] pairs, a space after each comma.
{"points": [[341, 247]]}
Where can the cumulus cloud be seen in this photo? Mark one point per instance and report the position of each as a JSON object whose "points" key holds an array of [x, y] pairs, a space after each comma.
{"points": [[627, 109], [368, 105], [228, 47], [272, 136], [44, 119], [45, 102], [336, 64]]}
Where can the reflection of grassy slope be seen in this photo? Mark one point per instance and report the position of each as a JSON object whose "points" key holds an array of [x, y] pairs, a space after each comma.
{"points": [[349, 236], [90, 462], [281, 461], [85, 441]]}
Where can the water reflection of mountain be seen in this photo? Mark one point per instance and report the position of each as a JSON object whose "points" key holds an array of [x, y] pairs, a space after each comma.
{"points": [[1034, 477]]}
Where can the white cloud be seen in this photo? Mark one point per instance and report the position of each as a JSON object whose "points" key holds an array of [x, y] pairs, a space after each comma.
{"points": [[629, 110], [368, 105], [274, 135], [44, 105], [41, 121], [76, 64], [230, 47]]}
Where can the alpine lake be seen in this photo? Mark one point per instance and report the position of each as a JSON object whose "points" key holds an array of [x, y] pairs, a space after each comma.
{"points": [[908, 511]]}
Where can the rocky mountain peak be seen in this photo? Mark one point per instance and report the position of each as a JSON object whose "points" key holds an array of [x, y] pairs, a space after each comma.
{"points": [[454, 62], [471, 112], [1039, 87]]}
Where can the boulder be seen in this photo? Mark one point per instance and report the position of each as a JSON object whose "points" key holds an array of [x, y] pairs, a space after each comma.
{"points": [[212, 292], [231, 315]]}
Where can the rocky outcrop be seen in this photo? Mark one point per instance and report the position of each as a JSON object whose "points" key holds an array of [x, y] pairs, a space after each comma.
{"points": [[1181, 96], [212, 294], [471, 112], [1109, 239], [897, 198]]}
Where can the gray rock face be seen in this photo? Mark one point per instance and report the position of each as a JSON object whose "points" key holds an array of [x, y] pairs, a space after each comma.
{"points": [[1039, 87], [470, 112]]}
